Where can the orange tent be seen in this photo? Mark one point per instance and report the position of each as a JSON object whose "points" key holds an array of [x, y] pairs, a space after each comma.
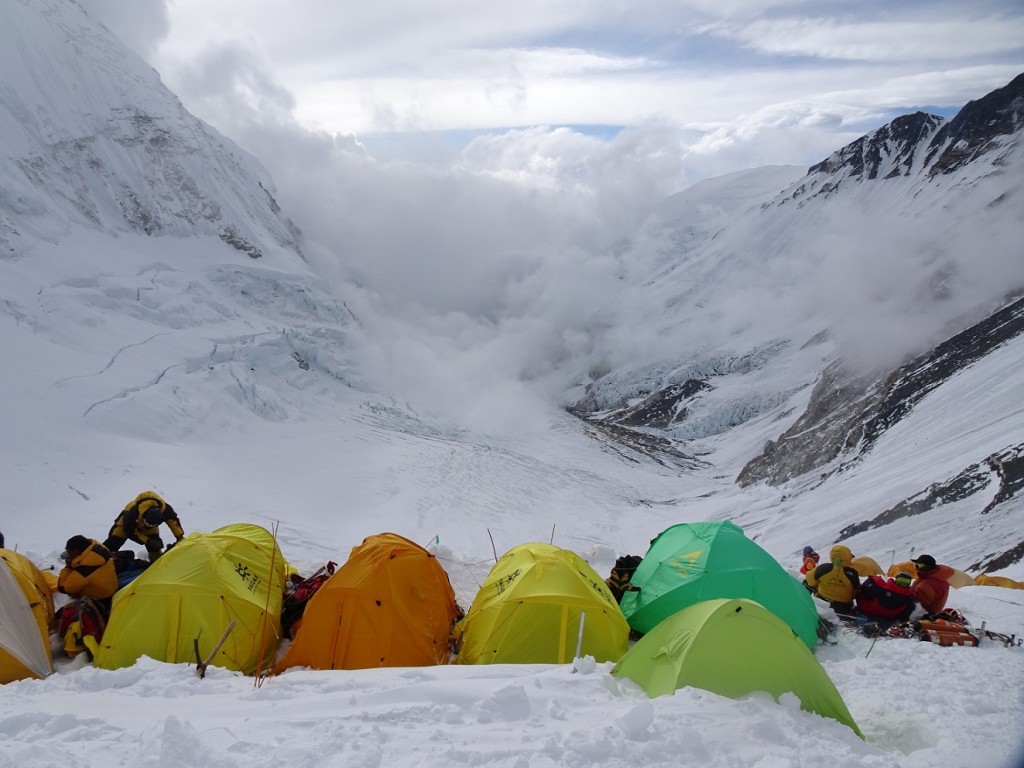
{"points": [[389, 605]]}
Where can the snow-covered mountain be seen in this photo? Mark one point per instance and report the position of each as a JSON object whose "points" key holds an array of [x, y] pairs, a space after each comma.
{"points": [[805, 326], [92, 138], [202, 277], [917, 222]]}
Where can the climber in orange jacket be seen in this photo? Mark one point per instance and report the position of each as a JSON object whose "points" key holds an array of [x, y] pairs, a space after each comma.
{"points": [[932, 586]]}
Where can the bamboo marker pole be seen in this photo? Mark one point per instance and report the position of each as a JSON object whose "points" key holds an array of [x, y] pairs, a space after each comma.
{"points": [[261, 674], [493, 548]]}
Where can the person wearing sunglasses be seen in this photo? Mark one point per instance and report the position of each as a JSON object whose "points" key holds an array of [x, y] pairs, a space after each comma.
{"points": [[931, 589]]}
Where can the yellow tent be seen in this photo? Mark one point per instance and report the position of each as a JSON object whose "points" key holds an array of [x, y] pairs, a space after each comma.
{"points": [[195, 591], [957, 580], [985, 580], [26, 617], [389, 605], [866, 566], [528, 611]]}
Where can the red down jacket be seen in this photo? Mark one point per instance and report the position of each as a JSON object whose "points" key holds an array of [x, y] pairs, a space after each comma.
{"points": [[885, 599]]}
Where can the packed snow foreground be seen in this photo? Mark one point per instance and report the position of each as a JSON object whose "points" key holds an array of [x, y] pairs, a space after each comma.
{"points": [[916, 703]]}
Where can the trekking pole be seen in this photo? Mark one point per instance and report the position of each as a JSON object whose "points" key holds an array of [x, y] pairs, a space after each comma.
{"points": [[872, 646], [552, 534], [893, 560]]}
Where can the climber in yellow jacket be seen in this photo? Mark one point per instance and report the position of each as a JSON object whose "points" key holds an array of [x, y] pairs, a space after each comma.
{"points": [[837, 581], [88, 570], [140, 522]]}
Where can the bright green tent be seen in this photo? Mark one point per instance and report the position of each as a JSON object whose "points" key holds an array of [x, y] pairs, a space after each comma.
{"points": [[196, 590], [528, 611], [692, 562], [732, 648]]}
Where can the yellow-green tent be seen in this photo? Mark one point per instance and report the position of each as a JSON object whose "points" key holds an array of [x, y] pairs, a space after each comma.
{"points": [[26, 617], [195, 591], [528, 611], [732, 647]]}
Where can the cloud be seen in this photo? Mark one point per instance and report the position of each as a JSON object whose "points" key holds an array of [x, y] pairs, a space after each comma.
{"points": [[492, 272], [459, 66], [788, 133], [489, 265], [889, 40]]}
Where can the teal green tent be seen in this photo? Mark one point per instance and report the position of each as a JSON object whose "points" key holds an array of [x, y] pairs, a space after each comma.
{"points": [[732, 648], [691, 562]]}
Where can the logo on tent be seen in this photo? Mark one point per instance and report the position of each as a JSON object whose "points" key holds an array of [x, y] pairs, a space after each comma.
{"points": [[506, 581], [684, 568], [252, 581]]}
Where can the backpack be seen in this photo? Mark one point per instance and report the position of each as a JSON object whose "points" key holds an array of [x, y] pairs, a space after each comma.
{"points": [[127, 567], [622, 574], [294, 604], [80, 624], [884, 600]]}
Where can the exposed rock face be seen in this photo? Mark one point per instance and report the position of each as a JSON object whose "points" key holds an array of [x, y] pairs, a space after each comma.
{"points": [[1004, 470], [830, 427], [983, 126], [887, 152], [922, 145], [680, 399], [847, 415], [663, 408], [627, 442], [1000, 477]]}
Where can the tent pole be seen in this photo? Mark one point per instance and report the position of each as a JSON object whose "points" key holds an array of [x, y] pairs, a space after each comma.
{"points": [[579, 639]]}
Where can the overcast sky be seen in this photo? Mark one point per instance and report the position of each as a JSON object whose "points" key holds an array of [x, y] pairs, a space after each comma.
{"points": [[742, 82]]}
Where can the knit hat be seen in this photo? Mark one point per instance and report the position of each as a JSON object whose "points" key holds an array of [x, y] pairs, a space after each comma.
{"points": [[808, 551], [74, 544], [153, 516]]}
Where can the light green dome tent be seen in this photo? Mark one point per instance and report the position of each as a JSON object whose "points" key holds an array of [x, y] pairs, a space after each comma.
{"points": [[528, 611], [692, 562], [732, 648], [195, 591]]}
